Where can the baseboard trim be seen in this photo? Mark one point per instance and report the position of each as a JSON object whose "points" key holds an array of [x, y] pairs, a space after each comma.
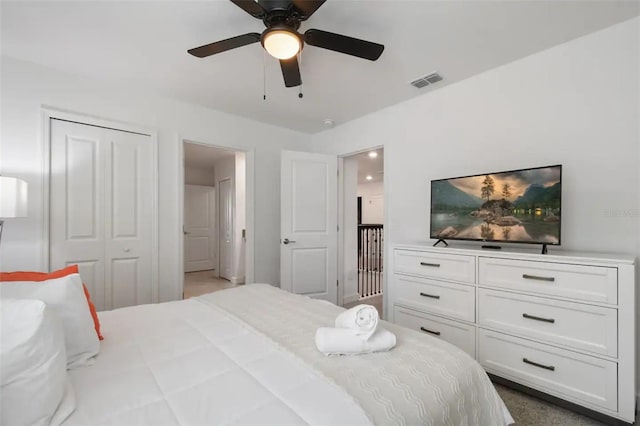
{"points": [[237, 280]]}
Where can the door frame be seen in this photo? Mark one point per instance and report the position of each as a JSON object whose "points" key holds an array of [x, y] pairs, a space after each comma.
{"points": [[50, 113], [232, 200], [341, 229], [249, 206]]}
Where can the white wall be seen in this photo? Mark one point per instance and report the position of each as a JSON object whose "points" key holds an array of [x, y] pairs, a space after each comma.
{"points": [[576, 104], [27, 87], [240, 220], [199, 176], [370, 188], [372, 194], [225, 168], [350, 226]]}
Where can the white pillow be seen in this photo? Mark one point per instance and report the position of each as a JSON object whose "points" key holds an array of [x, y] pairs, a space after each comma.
{"points": [[66, 298], [34, 389]]}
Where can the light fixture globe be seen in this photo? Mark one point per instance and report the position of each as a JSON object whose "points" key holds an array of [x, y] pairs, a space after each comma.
{"points": [[281, 42]]}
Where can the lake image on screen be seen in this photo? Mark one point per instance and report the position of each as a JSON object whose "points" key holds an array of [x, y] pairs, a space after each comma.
{"points": [[518, 206]]}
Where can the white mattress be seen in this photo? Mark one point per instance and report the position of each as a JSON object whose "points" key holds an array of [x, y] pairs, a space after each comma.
{"points": [[247, 356]]}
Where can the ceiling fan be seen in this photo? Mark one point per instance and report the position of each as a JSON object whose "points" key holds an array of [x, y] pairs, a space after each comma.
{"points": [[282, 40]]}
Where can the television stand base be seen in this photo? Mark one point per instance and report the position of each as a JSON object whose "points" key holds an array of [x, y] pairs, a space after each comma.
{"points": [[544, 249], [441, 241], [492, 247]]}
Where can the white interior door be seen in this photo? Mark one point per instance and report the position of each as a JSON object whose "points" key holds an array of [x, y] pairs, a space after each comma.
{"points": [[309, 222], [199, 228], [101, 203], [225, 220]]}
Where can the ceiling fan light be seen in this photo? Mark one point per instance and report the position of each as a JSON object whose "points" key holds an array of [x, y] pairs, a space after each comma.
{"points": [[282, 44]]}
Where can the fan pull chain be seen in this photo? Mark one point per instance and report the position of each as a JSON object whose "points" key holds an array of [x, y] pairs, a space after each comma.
{"points": [[264, 76], [300, 95]]}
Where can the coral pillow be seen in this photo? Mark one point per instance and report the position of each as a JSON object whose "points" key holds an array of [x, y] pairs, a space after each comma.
{"points": [[43, 276]]}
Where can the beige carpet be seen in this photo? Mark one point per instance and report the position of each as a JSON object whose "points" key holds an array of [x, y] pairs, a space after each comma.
{"points": [[530, 411], [203, 282]]}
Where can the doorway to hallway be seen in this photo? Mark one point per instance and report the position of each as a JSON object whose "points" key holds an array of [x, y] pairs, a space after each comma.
{"points": [[215, 221]]}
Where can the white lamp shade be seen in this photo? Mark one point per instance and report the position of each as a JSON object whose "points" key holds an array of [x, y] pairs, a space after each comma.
{"points": [[13, 197]]}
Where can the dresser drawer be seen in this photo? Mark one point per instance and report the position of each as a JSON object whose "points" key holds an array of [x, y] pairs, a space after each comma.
{"points": [[457, 333], [559, 372], [575, 325], [435, 265], [436, 297], [592, 283]]}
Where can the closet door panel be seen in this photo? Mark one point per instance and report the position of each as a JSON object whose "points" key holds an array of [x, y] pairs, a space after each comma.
{"points": [[101, 210], [76, 227], [128, 228]]}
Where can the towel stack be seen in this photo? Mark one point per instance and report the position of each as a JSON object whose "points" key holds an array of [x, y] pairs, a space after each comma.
{"points": [[356, 332]]}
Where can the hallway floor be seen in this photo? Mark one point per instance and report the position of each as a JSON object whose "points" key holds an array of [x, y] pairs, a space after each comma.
{"points": [[203, 282]]}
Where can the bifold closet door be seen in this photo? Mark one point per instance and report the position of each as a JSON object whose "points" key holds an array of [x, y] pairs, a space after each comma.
{"points": [[101, 205]]}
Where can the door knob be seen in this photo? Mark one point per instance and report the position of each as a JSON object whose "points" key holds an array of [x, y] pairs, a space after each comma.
{"points": [[126, 250], [287, 241]]}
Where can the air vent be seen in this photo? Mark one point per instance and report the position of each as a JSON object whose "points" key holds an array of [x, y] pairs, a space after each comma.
{"points": [[426, 80]]}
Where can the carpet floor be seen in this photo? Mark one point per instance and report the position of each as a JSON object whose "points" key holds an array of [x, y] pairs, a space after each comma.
{"points": [[530, 411], [203, 282]]}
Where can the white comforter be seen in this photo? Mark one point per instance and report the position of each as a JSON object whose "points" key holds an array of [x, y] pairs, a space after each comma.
{"points": [[192, 363], [247, 356]]}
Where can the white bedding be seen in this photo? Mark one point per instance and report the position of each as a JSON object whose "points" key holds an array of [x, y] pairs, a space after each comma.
{"points": [[247, 356], [191, 363]]}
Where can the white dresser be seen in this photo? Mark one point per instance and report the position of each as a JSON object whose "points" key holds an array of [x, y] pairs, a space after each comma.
{"points": [[560, 323]]}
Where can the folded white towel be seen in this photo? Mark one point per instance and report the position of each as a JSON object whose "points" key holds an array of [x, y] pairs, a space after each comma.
{"points": [[362, 319], [341, 341]]}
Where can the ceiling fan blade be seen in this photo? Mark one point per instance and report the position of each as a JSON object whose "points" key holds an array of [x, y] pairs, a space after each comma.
{"points": [[224, 45], [291, 72], [343, 44], [306, 8], [251, 7]]}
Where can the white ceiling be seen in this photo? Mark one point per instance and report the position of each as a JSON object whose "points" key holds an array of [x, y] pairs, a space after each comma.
{"points": [[202, 156], [143, 44], [368, 166]]}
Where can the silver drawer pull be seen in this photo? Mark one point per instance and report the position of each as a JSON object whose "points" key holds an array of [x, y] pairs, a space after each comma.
{"points": [[433, 296], [533, 317], [535, 277], [426, 330], [535, 364], [435, 265]]}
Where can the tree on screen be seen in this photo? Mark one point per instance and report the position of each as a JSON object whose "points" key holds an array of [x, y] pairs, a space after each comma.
{"points": [[506, 191], [488, 188]]}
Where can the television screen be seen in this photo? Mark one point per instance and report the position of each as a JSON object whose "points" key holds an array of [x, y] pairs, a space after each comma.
{"points": [[519, 206]]}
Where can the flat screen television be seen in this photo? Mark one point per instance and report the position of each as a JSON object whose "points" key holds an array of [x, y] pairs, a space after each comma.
{"points": [[517, 206]]}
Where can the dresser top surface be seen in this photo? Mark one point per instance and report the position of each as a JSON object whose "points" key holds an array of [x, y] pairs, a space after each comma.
{"points": [[526, 253]]}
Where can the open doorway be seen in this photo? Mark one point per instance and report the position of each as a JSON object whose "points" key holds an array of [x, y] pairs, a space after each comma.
{"points": [[214, 218], [363, 225]]}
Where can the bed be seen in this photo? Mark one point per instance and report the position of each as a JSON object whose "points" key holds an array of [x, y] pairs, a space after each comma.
{"points": [[247, 356]]}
